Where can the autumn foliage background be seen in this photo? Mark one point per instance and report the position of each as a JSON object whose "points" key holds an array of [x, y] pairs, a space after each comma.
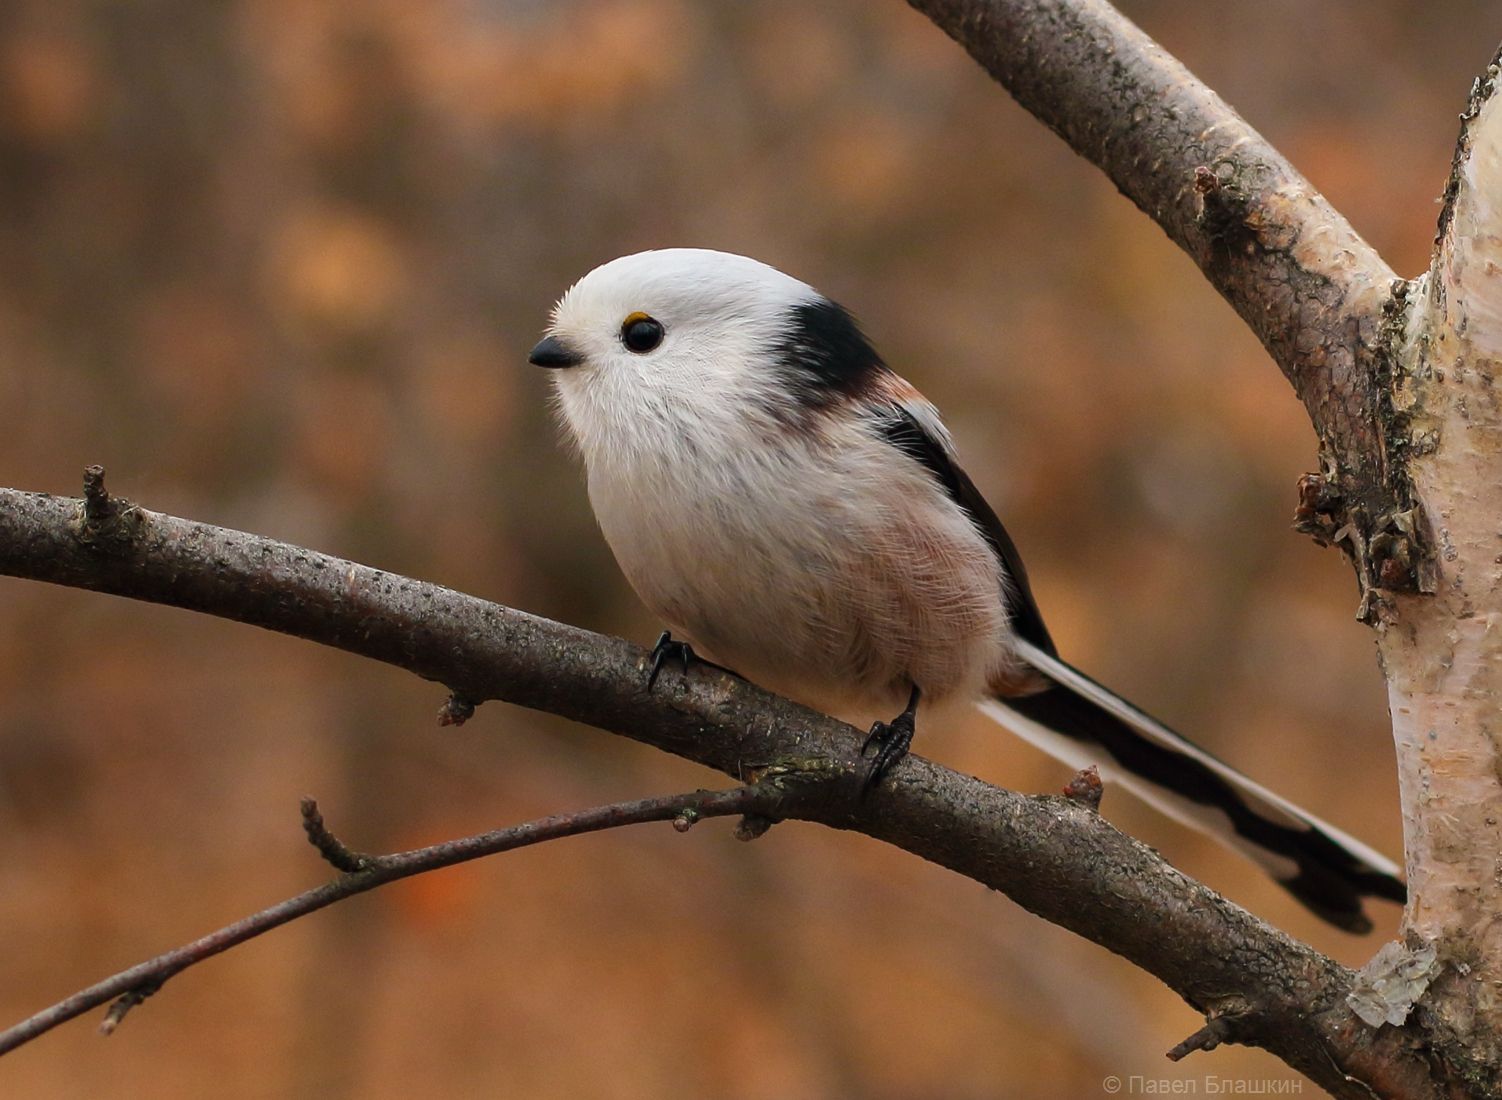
{"points": [[277, 264]]}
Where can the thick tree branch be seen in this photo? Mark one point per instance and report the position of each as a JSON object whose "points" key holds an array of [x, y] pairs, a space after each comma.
{"points": [[1055, 857], [1294, 269], [1317, 296], [130, 987]]}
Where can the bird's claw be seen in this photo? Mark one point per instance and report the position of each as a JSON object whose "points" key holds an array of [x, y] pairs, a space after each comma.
{"points": [[668, 649], [893, 739]]}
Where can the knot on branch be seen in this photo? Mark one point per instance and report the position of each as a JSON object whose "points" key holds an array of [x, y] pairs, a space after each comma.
{"points": [[106, 522], [456, 710], [752, 826], [1386, 550], [1086, 788], [1224, 212], [127, 1001]]}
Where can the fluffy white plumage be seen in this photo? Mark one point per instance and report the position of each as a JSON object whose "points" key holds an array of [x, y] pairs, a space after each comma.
{"points": [[783, 544]]}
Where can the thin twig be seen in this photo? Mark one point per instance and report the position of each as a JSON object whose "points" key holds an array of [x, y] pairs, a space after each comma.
{"points": [[130, 987], [1217, 1030], [334, 851]]}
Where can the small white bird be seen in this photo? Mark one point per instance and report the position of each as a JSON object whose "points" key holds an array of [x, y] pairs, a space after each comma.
{"points": [[794, 508]]}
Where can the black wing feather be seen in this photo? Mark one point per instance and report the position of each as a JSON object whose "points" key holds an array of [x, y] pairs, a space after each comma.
{"points": [[901, 429]]}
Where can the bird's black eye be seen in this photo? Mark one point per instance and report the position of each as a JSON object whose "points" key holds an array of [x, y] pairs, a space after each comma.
{"points": [[641, 333]]}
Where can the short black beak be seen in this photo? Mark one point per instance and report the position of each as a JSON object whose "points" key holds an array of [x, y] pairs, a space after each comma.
{"points": [[553, 352]]}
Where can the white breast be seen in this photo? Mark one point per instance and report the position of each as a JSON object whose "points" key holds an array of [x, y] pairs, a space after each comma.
{"points": [[827, 566]]}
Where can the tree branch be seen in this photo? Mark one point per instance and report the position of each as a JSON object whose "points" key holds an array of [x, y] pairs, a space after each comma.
{"points": [[1298, 274], [1056, 857], [362, 873], [1317, 296]]}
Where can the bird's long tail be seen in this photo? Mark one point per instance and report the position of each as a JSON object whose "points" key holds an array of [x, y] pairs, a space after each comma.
{"points": [[1082, 723]]}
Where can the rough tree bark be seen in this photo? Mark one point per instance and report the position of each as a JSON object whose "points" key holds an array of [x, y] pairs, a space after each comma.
{"points": [[1399, 380]]}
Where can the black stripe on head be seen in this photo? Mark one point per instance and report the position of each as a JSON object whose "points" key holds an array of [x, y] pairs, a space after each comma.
{"points": [[824, 354]]}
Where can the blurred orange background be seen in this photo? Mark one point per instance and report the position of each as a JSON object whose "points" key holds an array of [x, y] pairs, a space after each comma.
{"points": [[277, 265]]}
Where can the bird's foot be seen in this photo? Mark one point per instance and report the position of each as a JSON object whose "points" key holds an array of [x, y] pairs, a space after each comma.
{"points": [[892, 740], [669, 649]]}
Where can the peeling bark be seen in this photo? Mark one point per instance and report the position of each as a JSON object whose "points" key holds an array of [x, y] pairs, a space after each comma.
{"points": [[1400, 382], [1443, 654]]}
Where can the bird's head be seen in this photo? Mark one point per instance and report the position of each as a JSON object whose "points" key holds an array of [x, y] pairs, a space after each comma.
{"points": [[684, 336]]}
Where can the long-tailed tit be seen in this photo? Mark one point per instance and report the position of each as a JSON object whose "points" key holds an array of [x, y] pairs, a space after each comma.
{"points": [[794, 508]]}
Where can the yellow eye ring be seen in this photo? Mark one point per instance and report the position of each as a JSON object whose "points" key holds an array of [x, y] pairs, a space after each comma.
{"points": [[641, 332]]}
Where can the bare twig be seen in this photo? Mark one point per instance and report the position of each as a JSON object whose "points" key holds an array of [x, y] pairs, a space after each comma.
{"points": [[1325, 306], [1217, 1030], [1328, 310], [130, 987], [334, 851]]}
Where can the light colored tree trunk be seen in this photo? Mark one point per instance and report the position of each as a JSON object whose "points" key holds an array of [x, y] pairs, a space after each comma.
{"points": [[1443, 652]]}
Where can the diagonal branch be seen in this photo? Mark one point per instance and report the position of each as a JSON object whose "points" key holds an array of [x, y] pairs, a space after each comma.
{"points": [[1054, 856], [1320, 299], [1290, 264], [130, 987]]}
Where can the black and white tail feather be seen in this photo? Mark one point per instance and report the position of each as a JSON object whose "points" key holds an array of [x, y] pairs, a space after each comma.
{"points": [[1081, 723]]}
